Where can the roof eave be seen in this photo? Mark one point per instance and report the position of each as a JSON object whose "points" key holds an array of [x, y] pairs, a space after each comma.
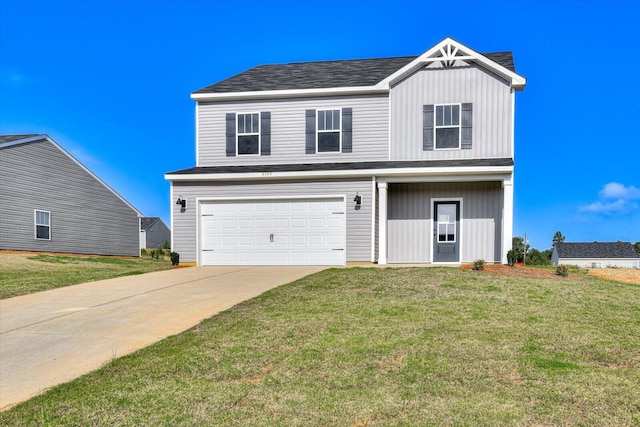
{"points": [[289, 93]]}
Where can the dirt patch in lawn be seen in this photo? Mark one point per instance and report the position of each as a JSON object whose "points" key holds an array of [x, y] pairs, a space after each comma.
{"points": [[627, 275]]}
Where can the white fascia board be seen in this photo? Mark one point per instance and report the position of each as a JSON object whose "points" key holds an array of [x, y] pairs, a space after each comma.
{"points": [[289, 93], [517, 81], [402, 174]]}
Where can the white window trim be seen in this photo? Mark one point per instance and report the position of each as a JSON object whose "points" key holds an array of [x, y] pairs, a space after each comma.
{"points": [[249, 134], [318, 131], [36, 225], [436, 127]]}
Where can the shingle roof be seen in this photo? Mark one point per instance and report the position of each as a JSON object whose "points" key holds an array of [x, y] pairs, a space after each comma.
{"points": [[343, 166], [596, 250], [324, 74], [148, 221], [11, 138]]}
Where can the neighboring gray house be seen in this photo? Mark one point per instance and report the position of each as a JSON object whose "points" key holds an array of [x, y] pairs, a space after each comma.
{"points": [[596, 254], [153, 233], [52, 203], [387, 160]]}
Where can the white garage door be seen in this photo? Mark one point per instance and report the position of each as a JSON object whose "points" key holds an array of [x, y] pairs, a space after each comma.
{"points": [[273, 232]]}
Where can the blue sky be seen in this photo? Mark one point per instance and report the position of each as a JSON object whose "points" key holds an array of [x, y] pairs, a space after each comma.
{"points": [[110, 81]]}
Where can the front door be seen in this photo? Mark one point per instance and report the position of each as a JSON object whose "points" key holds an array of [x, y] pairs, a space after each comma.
{"points": [[446, 231]]}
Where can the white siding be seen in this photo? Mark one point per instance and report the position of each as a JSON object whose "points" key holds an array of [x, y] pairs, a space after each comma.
{"points": [[489, 94], [185, 223], [370, 130]]}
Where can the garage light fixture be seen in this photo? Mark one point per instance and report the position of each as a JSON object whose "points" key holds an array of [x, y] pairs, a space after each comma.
{"points": [[182, 202], [358, 200]]}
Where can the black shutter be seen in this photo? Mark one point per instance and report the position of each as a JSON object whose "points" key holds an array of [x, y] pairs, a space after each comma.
{"points": [[427, 127], [466, 126], [265, 133], [311, 132], [346, 130], [231, 134]]}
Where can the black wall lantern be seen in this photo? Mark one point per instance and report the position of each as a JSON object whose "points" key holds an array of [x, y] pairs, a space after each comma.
{"points": [[182, 202], [358, 200]]}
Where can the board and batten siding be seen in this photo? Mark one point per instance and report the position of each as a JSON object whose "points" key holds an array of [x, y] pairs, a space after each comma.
{"points": [[410, 226], [86, 217], [185, 224], [489, 95], [370, 130]]}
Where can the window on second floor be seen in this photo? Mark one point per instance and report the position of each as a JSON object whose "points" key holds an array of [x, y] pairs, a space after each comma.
{"points": [[328, 131], [447, 127], [248, 133], [42, 225]]}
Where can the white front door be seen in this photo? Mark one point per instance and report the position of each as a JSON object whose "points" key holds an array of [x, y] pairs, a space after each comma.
{"points": [[273, 232]]}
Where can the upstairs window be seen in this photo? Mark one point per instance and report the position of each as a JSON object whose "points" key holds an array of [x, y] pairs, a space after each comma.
{"points": [[329, 128], [42, 225], [248, 133], [447, 127]]}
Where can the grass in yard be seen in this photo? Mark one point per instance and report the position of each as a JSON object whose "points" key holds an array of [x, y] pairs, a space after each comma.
{"points": [[26, 273], [418, 346]]}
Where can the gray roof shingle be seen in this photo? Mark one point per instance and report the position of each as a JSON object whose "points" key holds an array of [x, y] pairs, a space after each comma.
{"points": [[596, 250], [343, 166], [324, 74], [148, 221], [11, 138]]}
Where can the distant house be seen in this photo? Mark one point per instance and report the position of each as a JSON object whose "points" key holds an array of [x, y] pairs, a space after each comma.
{"points": [[53, 203], [596, 254], [153, 233]]}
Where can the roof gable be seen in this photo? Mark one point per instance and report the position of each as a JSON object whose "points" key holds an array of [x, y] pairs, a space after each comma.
{"points": [[596, 250], [351, 76], [7, 141]]}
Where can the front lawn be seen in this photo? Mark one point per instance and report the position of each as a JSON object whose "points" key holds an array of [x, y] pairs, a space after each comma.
{"points": [[23, 273], [366, 346]]}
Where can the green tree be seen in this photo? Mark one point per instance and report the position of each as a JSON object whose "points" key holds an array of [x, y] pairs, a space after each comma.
{"points": [[536, 257], [557, 238], [517, 244], [636, 246]]}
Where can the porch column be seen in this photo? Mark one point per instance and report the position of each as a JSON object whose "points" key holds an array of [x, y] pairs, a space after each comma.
{"points": [[382, 221], [507, 217]]}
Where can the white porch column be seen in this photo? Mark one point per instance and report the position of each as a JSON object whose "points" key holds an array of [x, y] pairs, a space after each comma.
{"points": [[382, 221], [507, 217]]}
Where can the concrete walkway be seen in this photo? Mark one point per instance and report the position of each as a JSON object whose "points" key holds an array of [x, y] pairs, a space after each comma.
{"points": [[52, 337]]}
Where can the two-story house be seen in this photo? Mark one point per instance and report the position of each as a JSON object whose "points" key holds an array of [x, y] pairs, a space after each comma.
{"points": [[387, 160]]}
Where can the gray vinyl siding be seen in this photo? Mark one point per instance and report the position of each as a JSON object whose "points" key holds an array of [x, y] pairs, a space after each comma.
{"points": [[157, 235], [410, 224], [86, 217], [492, 106], [370, 130], [185, 224]]}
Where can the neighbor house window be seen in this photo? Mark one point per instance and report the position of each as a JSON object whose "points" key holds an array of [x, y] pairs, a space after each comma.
{"points": [[328, 131], [248, 133], [447, 126], [43, 225]]}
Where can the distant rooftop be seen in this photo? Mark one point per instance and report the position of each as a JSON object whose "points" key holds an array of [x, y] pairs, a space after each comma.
{"points": [[596, 250]]}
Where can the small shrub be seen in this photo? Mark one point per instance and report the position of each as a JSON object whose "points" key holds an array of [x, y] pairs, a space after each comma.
{"points": [[478, 264], [166, 245], [512, 257], [175, 258], [143, 252], [562, 270]]}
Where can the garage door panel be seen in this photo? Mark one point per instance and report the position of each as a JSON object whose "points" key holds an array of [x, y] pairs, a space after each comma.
{"points": [[273, 232]]}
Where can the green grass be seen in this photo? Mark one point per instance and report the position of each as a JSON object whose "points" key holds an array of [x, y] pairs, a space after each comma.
{"points": [[418, 346], [23, 274]]}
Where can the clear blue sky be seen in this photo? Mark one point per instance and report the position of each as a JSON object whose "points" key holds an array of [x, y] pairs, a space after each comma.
{"points": [[110, 81]]}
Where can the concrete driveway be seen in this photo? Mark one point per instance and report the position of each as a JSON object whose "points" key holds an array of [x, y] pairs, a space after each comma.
{"points": [[51, 337]]}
